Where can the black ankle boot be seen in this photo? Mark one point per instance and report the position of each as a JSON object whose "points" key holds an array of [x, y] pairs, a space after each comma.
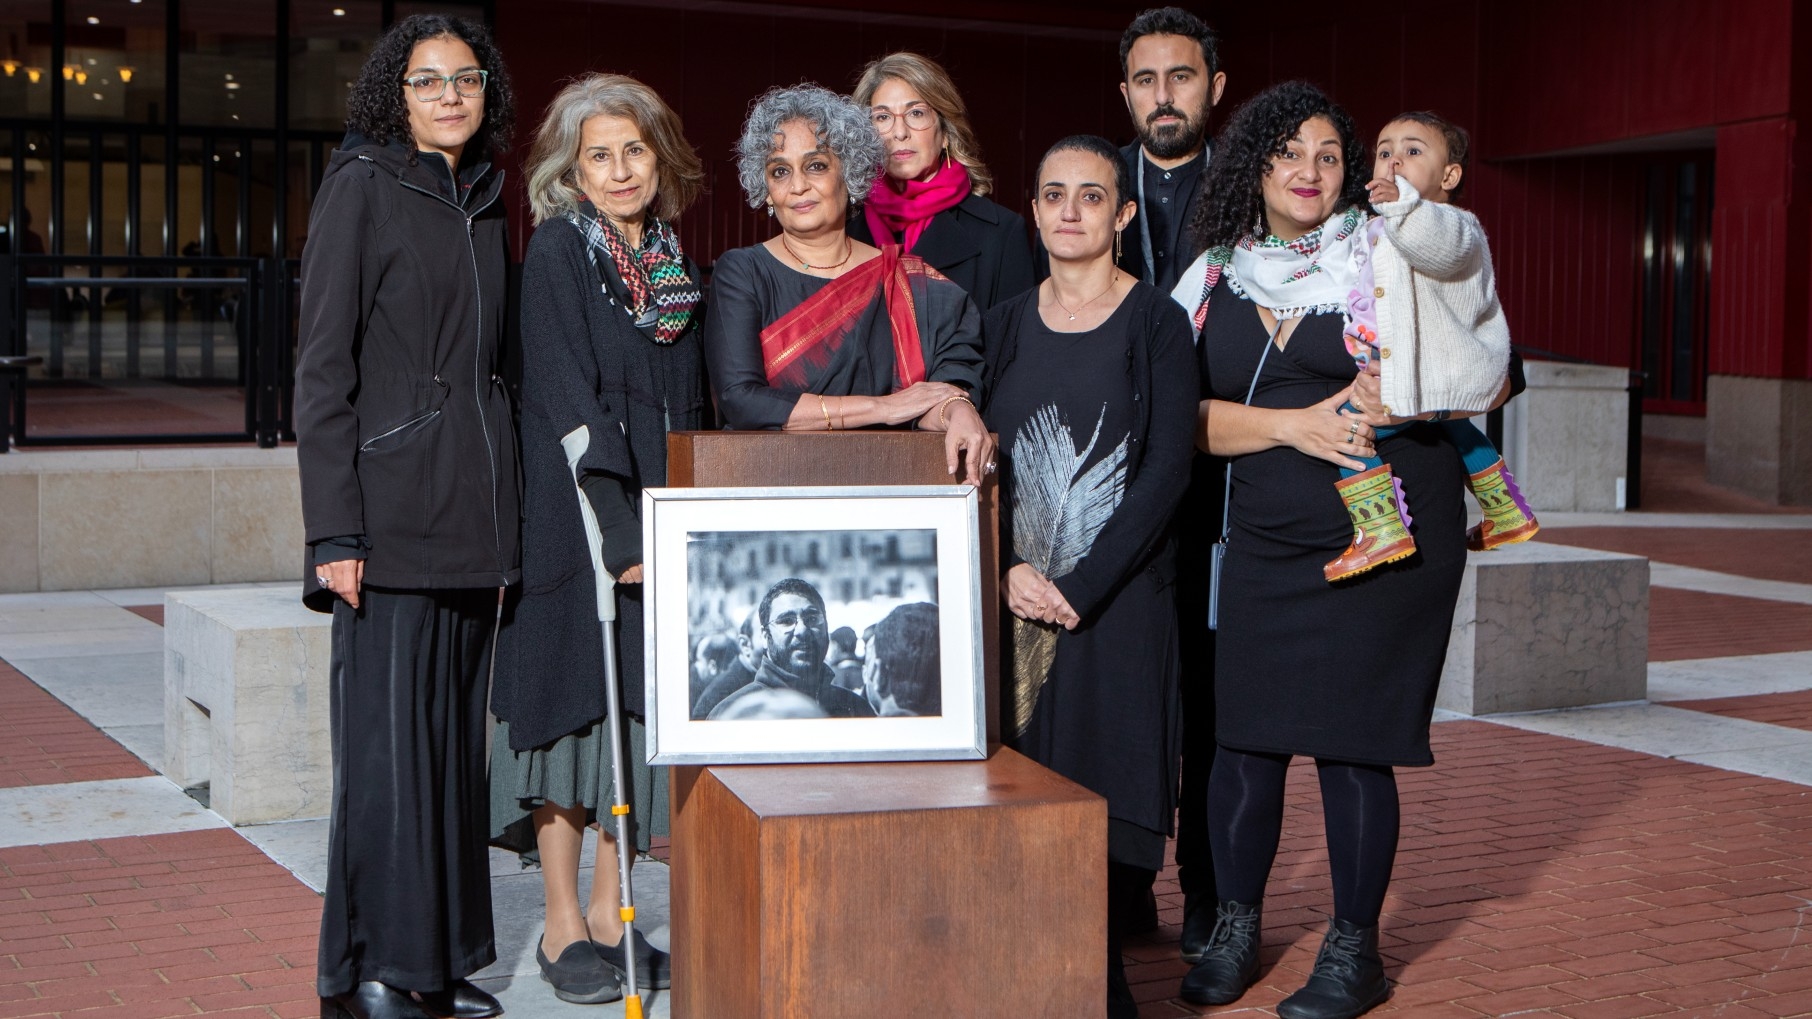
{"points": [[1198, 926], [1348, 979], [1230, 963]]}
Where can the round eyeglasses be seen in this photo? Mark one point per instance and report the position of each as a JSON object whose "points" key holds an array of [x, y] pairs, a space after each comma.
{"points": [[429, 87], [918, 118]]}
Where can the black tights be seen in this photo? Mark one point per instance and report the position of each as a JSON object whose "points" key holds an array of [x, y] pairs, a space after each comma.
{"points": [[1358, 802]]}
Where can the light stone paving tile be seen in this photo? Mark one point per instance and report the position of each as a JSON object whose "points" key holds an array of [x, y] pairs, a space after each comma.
{"points": [[516, 977], [141, 596], [75, 811], [1792, 763], [1661, 731], [1740, 676], [145, 741], [17, 648], [48, 599], [1712, 582], [107, 689], [24, 619], [299, 846], [1750, 521]]}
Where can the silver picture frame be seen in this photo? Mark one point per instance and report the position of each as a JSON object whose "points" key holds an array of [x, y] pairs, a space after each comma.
{"points": [[876, 556]]}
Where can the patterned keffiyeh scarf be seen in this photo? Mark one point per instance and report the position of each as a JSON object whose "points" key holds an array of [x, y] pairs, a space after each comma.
{"points": [[662, 294], [1312, 274]]}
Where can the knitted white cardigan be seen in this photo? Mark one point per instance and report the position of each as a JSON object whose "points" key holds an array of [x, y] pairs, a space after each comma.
{"points": [[1445, 345]]}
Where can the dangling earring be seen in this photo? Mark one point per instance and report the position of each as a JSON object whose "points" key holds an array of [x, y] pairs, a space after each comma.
{"points": [[1117, 238], [770, 209], [946, 156]]}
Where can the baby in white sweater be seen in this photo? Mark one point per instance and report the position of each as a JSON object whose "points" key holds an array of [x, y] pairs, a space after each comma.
{"points": [[1424, 317]]}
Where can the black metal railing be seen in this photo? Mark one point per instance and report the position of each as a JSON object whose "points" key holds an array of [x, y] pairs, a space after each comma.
{"points": [[147, 350]]}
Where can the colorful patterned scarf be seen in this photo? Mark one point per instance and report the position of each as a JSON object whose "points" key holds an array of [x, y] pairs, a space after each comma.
{"points": [[661, 293]]}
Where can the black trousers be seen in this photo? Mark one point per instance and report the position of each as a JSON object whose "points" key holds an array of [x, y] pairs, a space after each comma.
{"points": [[408, 880], [1198, 526]]}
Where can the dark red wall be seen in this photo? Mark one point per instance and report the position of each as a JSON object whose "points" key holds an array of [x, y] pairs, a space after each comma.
{"points": [[1533, 81], [1026, 84]]}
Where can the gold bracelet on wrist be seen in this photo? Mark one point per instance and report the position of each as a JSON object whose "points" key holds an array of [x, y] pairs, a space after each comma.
{"points": [[822, 409], [943, 409]]}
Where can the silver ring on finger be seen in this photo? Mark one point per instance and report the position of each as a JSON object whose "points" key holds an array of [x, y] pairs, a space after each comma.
{"points": [[1349, 438]]}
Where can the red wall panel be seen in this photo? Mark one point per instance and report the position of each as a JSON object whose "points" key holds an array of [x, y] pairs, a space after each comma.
{"points": [[1563, 236], [1560, 75], [1026, 87]]}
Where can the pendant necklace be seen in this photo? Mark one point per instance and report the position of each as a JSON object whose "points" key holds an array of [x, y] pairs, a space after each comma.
{"points": [[1110, 285], [849, 248]]}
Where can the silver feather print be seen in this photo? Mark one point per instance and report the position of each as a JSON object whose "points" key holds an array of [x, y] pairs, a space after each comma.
{"points": [[1058, 510]]}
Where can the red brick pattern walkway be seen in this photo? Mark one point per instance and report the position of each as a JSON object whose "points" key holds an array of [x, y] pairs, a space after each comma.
{"points": [[1542, 876], [1693, 624], [42, 742], [153, 927], [1763, 554]]}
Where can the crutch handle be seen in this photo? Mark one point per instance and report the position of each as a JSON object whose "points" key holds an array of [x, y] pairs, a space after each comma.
{"points": [[576, 442]]}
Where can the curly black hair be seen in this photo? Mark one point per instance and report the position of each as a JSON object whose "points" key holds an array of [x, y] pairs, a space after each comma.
{"points": [[1233, 203], [376, 109]]}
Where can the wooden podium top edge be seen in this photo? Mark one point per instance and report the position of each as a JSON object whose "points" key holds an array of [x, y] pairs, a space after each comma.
{"points": [[1005, 779]]}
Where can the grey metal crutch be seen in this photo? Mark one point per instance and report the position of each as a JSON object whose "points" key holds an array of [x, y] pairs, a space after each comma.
{"points": [[575, 443]]}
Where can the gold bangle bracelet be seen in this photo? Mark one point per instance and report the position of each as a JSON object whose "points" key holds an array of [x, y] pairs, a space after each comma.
{"points": [[822, 409], [943, 409]]}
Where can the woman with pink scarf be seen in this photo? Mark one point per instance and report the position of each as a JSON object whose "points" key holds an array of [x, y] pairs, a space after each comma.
{"points": [[930, 198]]}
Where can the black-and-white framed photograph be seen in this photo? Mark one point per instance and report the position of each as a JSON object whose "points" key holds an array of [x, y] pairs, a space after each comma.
{"points": [[813, 624]]}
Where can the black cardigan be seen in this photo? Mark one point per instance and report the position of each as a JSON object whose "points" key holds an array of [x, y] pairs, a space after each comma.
{"points": [[980, 245], [1161, 366], [584, 363]]}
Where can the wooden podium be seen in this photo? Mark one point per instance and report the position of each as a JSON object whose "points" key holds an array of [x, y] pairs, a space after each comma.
{"points": [[828, 891]]}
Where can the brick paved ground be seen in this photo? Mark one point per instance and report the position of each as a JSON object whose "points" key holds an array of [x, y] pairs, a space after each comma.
{"points": [[155, 926], [1538, 875], [42, 742], [1694, 624], [1764, 554]]}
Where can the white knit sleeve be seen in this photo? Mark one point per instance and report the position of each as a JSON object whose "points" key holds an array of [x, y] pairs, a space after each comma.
{"points": [[1440, 241]]}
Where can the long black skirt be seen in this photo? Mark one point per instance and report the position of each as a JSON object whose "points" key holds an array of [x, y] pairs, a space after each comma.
{"points": [[408, 878]]}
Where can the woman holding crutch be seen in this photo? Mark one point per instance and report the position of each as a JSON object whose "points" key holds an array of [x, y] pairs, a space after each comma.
{"points": [[611, 363], [410, 503]]}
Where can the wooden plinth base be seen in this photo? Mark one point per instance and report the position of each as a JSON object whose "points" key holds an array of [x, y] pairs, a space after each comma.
{"points": [[832, 891]]}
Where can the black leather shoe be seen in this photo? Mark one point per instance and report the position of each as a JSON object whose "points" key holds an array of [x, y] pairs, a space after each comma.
{"points": [[579, 976], [1347, 981], [653, 967], [1230, 962], [1198, 926], [372, 1000], [1120, 1003], [464, 1000]]}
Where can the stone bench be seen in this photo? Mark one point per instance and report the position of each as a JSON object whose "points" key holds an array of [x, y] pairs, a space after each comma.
{"points": [[1542, 626], [245, 702]]}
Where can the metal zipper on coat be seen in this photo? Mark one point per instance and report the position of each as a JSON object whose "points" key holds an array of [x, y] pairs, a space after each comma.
{"points": [[480, 385]]}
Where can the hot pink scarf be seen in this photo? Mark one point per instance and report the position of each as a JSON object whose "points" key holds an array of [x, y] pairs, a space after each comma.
{"points": [[892, 214]]}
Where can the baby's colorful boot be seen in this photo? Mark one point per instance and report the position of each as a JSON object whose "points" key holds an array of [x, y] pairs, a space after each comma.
{"points": [[1381, 535], [1508, 518]]}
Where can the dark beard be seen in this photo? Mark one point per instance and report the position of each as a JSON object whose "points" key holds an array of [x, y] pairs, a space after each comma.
{"points": [[1173, 142]]}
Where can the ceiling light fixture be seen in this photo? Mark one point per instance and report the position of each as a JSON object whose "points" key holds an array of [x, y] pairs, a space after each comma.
{"points": [[92, 20], [126, 74]]}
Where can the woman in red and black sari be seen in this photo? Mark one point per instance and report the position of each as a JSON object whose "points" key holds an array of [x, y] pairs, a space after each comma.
{"points": [[814, 331]]}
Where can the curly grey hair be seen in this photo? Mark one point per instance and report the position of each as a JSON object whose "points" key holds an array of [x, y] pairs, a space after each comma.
{"points": [[841, 126]]}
